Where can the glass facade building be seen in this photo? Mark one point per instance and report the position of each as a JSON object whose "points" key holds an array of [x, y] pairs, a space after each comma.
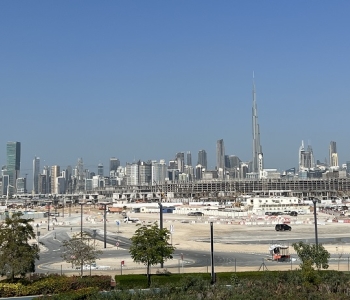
{"points": [[13, 155]]}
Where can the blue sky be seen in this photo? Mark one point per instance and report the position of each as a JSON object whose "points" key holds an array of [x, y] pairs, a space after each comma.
{"points": [[146, 79]]}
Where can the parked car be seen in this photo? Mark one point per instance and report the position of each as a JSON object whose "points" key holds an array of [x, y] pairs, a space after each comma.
{"points": [[283, 227], [293, 213], [195, 213]]}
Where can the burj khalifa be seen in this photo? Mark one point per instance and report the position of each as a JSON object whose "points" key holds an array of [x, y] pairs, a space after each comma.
{"points": [[257, 165]]}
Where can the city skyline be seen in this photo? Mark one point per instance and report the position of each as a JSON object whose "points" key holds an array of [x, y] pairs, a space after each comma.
{"points": [[58, 177], [147, 80]]}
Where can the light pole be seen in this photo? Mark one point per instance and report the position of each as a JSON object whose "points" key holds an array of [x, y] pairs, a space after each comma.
{"points": [[37, 232], [161, 222], [48, 215], [104, 223], [212, 252], [81, 219], [315, 200]]}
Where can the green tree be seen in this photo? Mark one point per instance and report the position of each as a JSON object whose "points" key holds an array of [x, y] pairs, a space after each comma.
{"points": [[312, 255], [79, 252], [150, 246], [17, 256]]}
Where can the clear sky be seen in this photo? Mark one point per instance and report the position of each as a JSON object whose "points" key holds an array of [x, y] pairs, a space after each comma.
{"points": [[146, 79]]}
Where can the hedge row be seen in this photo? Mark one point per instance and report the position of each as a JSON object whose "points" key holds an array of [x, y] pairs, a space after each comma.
{"points": [[138, 281], [54, 284]]}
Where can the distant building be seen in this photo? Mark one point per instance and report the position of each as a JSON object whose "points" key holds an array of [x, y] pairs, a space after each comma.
{"points": [[55, 173], [333, 155], [21, 185], [100, 170], [202, 159], [145, 173], [189, 158], [36, 174], [13, 164], [199, 172], [159, 171], [348, 167], [234, 160], [180, 160], [306, 158], [220, 155], [114, 164]]}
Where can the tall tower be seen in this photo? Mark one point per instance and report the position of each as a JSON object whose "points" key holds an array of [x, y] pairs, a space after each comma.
{"points": [[180, 159], [333, 155], [202, 159], [114, 164], [220, 157], [189, 158], [36, 174], [257, 150], [100, 170], [13, 163], [306, 157], [55, 173]]}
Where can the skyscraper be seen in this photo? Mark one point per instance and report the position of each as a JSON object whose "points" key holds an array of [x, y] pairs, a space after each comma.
{"points": [[100, 170], [180, 159], [306, 157], [55, 173], [36, 174], [189, 158], [220, 155], [202, 158], [257, 163], [13, 163], [114, 163], [333, 155]]}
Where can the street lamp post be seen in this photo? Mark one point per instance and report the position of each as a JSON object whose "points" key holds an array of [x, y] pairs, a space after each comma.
{"points": [[212, 252], [315, 200], [81, 219], [48, 215], [104, 223], [37, 232], [161, 222]]}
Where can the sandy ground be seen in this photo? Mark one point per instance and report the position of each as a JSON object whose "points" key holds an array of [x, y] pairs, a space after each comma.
{"points": [[194, 233]]}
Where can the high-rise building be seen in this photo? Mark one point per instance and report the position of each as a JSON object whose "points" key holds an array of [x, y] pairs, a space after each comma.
{"points": [[333, 155], [348, 167], [46, 181], [235, 162], [306, 158], [180, 159], [100, 170], [79, 179], [55, 173], [145, 173], [36, 174], [189, 158], [202, 159], [257, 163], [132, 173], [13, 164], [159, 171], [220, 157], [114, 163], [21, 185]]}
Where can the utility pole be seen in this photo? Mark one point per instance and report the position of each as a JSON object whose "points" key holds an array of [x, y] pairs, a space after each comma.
{"points": [[160, 213]]}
